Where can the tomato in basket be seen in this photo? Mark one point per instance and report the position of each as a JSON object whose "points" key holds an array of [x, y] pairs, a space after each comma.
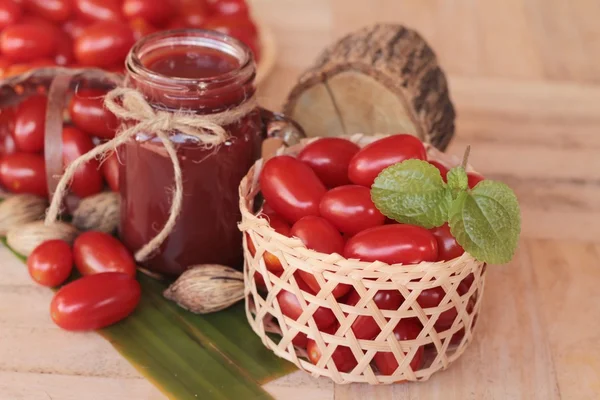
{"points": [[365, 327], [329, 158], [350, 209], [407, 329], [290, 307], [342, 356], [448, 247]]}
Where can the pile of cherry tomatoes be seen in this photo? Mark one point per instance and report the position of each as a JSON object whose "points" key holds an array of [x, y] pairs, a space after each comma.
{"points": [[323, 198], [106, 293], [99, 33], [22, 166]]}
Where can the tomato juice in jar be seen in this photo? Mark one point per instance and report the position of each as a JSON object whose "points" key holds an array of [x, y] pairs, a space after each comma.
{"points": [[200, 72]]}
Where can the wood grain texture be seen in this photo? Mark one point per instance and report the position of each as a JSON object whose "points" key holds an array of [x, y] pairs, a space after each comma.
{"points": [[527, 95]]}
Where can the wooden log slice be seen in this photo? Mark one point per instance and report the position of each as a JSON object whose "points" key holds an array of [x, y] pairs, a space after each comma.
{"points": [[381, 79]]}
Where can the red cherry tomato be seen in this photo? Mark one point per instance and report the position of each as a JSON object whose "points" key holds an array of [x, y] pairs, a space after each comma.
{"points": [[392, 244], [365, 327], [50, 263], [291, 188], [300, 340], [27, 41], [88, 113], [10, 13], [290, 307], [64, 50], [329, 158], [342, 356], [7, 126], [407, 329], [18, 69], [155, 12], [430, 298], [374, 158], [441, 167], [74, 27], [104, 44], [448, 247], [88, 179], [97, 252], [195, 15], [99, 10], [350, 209], [53, 10], [474, 179], [141, 28], [229, 7], [95, 301], [110, 171], [24, 173], [272, 261], [238, 27], [5, 64]]}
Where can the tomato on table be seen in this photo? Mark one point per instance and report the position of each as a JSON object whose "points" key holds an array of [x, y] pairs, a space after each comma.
{"points": [[50, 263], [24, 173], [319, 235], [350, 209], [291, 188], [448, 247], [155, 12], [30, 122], [52, 10], [98, 10], [342, 356], [329, 158], [290, 307], [104, 44], [24, 42], [393, 244], [88, 113], [95, 301], [10, 13], [365, 327], [98, 252], [110, 171], [88, 178], [407, 329], [377, 156]]}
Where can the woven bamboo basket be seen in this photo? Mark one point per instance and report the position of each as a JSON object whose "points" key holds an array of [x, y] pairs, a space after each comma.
{"points": [[277, 330]]}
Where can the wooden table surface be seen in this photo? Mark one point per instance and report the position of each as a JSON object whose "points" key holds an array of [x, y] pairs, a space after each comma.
{"points": [[525, 79]]}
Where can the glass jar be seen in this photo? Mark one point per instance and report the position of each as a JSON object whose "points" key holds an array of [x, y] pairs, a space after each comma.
{"points": [[199, 72]]}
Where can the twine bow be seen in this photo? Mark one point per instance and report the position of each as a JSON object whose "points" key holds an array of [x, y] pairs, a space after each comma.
{"points": [[130, 105]]}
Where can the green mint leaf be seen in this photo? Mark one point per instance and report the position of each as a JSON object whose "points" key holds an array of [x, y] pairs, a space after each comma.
{"points": [[457, 180], [412, 192], [486, 222]]}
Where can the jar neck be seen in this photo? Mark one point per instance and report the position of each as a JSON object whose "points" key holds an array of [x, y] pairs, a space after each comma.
{"points": [[194, 70]]}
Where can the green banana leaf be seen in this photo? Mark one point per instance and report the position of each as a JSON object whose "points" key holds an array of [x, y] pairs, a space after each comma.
{"points": [[188, 356]]}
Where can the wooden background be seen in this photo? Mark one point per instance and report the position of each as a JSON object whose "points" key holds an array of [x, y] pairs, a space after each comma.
{"points": [[524, 76]]}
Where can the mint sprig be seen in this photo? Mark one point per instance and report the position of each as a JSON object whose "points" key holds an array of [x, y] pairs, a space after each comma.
{"points": [[485, 220]]}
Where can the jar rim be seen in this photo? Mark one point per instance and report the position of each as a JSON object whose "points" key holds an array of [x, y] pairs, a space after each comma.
{"points": [[201, 37]]}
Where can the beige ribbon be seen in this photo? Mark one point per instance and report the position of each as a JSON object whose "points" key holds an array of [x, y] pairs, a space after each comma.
{"points": [[130, 105]]}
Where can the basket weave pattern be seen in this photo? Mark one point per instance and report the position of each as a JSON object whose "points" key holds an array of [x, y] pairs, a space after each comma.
{"points": [[265, 316]]}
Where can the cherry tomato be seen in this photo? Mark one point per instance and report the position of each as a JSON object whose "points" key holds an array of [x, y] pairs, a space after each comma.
{"points": [[97, 252], [474, 179], [88, 113], [10, 13], [155, 12], [64, 50], [229, 7], [88, 178], [110, 171], [350, 209], [30, 122], [50, 263], [95, 301], [407, 329], [27, 41], [448, 247], [430, 298], [329, 158], [53, 10], [235, 26], [291, 188], [441, 167], [195, 15], [365, 327], [5, 64], [272, 261], [104, 44], [290, 307], [7, 126], [24, 173], [99, 10], [392, 244], [74, 27], [374, 158], [300, 340], [141, 28], [342, 356], [18, 69]]}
